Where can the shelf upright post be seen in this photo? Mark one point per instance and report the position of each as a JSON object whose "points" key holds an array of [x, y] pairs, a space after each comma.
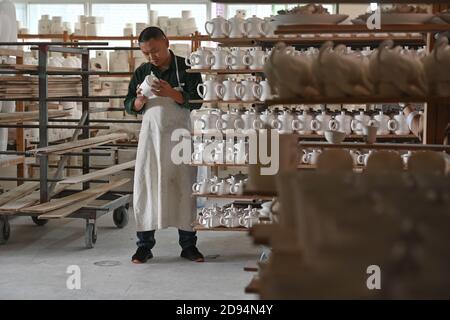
{"points": [[85, 108], [43, 121]]}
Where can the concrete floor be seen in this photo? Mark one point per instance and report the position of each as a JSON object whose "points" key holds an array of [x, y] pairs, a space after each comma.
{"points": [[33, 264]]}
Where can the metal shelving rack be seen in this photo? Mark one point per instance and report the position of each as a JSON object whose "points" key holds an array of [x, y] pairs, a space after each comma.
{"points": [[117, 202]]}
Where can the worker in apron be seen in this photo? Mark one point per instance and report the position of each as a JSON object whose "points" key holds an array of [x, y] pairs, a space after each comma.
{"points": [[161, 196]]}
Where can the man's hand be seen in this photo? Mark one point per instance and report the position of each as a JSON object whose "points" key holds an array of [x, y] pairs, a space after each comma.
{"points": [[140, 101], [162, 88]]}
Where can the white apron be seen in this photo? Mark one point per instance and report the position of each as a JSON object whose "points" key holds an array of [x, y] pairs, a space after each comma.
{"points": [[161, 195]]}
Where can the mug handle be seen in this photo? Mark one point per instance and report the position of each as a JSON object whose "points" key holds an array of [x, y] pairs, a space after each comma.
{"points": [[206, 28], [221, 124], [315, 125], [220, 90], [298, 127], [196, 187], [210, 60], [203, 123], [333, 125], [354, 124], [239, 90], [392, 125], [247, 59], [257, 124], [236, 124], [202, 95], [257, 91], [230, 60], [214, 188], [276, 124], [188, 59]]}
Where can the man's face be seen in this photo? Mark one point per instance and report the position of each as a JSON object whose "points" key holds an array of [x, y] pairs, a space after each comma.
{"points": [[156, 51]]}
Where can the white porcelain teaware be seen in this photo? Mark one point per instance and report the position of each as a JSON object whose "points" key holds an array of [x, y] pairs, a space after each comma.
{"points": [[238, 187], [399, 124], [220, 27], [258, 60], [302, 123], [382, 121], [247, 90], [219, 59], [146, 85], [226, 91], [237, 27], [221, 188], [208, 120], [210, 89], [343, 122], [246, 121], [256, 27], [263, 93], [227, 120], [358, 122], [363, 158], [240, 59], [230, 219], [202, 187], [265, 119], [311, 157], [284, 123], [241, 155], [249, 219], [199, 59], [322, 122]]}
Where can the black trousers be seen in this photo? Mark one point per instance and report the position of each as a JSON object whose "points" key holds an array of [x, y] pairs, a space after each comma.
{"points": [[186, 239]]}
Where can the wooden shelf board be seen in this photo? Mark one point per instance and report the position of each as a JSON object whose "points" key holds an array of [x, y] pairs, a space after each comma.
{"points": [[357, 100], [235, 196], [227, 102], [380, 146], [351, 28], [224, 71], [7, 161], [316, 39], [11, 52]]}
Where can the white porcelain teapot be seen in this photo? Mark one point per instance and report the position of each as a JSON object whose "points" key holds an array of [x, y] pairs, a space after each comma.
{"points": [[220, 27]]}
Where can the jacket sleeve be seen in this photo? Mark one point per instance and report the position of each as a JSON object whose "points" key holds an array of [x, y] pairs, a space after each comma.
{"points": [[190, 91], [131, 96]]}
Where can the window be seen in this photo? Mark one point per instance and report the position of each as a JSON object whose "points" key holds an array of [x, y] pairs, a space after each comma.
{"points": [[117, 15], [68, 12], [21, 14]]}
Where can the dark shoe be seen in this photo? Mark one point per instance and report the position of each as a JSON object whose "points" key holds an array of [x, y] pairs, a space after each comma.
{"points": [[142, 255], [192, 254]]}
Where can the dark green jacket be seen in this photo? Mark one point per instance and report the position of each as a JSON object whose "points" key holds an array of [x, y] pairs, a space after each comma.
{"points": [[189, 82]]}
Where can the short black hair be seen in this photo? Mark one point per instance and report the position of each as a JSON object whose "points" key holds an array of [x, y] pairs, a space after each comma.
{"points": [[150, 33]]}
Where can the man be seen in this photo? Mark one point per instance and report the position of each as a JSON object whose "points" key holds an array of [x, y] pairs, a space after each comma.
{"points": [[161, 196]]}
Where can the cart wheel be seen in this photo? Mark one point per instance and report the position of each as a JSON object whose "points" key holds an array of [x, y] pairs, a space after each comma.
{"points": [[39, 222], [5, 230], [90, 235], [120, 217]]}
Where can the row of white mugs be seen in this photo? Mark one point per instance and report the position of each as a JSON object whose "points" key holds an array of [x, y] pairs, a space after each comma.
{"points": [[359, 158], [303, 123], [237, 27], [218, 151], [247, 90], [219, 187], [224, 58], [231, 217]]}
